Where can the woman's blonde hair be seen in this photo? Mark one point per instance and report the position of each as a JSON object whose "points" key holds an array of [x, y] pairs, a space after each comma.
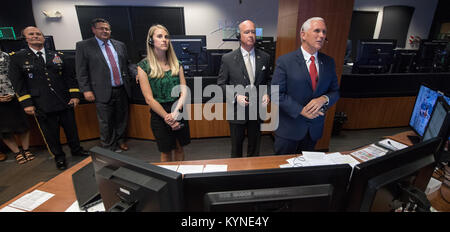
{"points": [[156, 70]]}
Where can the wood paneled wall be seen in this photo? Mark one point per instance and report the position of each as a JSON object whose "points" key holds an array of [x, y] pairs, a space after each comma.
{"points": [[365, 113], [337, 15]]}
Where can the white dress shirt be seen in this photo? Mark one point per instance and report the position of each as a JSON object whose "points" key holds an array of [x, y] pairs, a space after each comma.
{"points": [[43, 53]]}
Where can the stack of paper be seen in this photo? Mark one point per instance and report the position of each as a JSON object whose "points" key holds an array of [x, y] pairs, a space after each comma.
{"points": [[319, 158], [185, 169]]}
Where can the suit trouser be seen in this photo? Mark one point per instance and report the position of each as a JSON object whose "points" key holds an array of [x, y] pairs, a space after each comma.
{"points": [[287, 146], [50, 124], [237, 133], [113, 119]]}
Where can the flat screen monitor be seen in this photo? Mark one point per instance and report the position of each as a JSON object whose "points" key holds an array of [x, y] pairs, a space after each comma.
{"points": [[374, 56], [378, 184], [259, 32], [431, 55], [438, 125], [127, 184], [423, 107], [215, 59], [319, 188], [7, 33], [191, 51], [11, 45]]}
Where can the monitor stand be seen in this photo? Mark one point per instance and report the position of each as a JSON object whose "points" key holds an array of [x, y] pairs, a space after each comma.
{"points": [[414, 139]]}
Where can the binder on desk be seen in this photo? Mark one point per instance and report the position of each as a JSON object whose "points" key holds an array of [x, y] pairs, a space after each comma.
{"points": [[85, 187]]}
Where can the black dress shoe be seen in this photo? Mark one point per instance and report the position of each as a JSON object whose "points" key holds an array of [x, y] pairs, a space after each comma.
{"points": [[61, 165], [81, 153]]}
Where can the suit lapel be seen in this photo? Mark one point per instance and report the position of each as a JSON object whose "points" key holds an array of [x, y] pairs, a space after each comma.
{"points": [[303, 68], [98, 51], [239, 59], [258, 67], [321, 69]]}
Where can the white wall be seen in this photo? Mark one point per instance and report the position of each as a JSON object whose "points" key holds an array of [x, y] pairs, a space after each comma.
{"points": [[202, 17], [421, 20]]}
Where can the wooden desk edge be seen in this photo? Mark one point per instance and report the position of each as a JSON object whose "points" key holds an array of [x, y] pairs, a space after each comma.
{"points": [[22, 194], [264, 162]]}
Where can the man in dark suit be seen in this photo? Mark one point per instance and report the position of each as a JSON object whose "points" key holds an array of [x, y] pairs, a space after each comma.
{"points": [[307, 86], [243, 72], [102, 73], [46, 87]]}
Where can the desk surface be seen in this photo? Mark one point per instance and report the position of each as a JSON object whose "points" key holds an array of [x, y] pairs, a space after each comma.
{"points": [[62, 186]]}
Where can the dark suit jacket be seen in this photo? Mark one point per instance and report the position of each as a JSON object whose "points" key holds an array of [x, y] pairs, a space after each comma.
{"points": [[93, 73], [48, 88], [233, 72], [295, 92]]}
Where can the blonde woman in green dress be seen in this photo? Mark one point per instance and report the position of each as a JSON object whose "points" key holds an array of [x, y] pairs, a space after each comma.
{"points": [[158, 74]]}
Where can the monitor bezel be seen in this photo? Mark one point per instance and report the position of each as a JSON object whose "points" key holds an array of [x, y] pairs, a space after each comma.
{"points": [[102, 157], [364, 172], [196, 185], [446, 122], [414, 106]]}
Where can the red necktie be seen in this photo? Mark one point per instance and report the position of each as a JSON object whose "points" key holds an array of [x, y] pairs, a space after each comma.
{"points": [[115, 70], [313, 73]]}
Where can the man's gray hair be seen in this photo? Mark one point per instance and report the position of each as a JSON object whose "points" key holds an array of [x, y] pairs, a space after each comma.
{"points": [[307, 24]]}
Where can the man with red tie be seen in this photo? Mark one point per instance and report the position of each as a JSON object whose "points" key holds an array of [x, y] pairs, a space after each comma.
{"points": [[102, 74], [307, 86]]}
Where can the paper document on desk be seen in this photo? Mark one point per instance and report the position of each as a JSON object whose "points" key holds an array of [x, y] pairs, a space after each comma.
{"points": [[338, 158], [32, 200], [309, 155], [392, 144], [74, 208], [370, 152], [8, 209], [215, 168], [305, 161], [186, 169], [170, 167]]}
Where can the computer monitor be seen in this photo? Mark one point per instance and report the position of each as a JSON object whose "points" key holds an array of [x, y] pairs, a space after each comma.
{"points": [[7, 33], [423, 107], [431, 56], [438, 126], [259, 33], [191, 51], [319, 188], [374, 56], [382, 184], [215, 59], [127, 184], [403, 60], [11, 45]]}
